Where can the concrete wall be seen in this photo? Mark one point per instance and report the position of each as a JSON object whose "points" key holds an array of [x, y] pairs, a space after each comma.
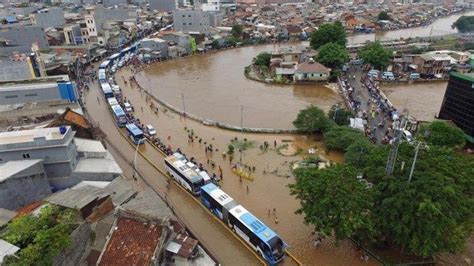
{"points": [[191, 20], [109, 3], [23, 188], [72, 255], [156, 46], [21, 37]]}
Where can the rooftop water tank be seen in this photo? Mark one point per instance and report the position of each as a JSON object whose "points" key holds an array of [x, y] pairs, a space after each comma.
{"points": [[62, 130]]}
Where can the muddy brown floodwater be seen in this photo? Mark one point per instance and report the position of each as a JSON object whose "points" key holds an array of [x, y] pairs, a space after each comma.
{"points": [[272, 175], [214, 87], [423, 100]]}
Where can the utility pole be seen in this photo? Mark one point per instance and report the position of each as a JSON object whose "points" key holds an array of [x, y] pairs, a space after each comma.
{"points": [[135, 163], [419, 145], [242, 118], [184, 105], [392, 157]]}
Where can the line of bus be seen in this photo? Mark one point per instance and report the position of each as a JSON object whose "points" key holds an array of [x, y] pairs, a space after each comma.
{"points": [[260, 237], [135, 134], [119, 115], [186, 173]]}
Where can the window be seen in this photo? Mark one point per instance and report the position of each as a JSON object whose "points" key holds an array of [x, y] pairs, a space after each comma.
{"points": [[26, 155], [31, 95], [190, 24], [11, 96]]}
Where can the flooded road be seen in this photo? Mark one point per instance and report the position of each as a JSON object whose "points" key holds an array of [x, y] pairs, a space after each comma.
{"points": [[423, 100], [267, 191], [214, 86], [439, 27]]}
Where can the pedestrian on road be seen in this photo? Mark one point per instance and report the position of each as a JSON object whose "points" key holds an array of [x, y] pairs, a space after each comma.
{"points": [[247, 189]]}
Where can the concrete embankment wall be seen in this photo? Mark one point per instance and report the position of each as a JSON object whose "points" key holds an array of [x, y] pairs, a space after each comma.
{"points": [[219, 124]]}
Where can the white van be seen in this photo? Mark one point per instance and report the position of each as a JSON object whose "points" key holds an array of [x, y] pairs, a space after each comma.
{"points": [[151, 130], [128, 107], [407, 135]]}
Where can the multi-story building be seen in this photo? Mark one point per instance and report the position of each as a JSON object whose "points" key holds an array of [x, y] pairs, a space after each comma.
{"points": [[97, 16], [458, 102], [163, 5], [38, 90], [48, 17], [55, 146], [72, 34], [22, 182], [19, 38], [432, 63], [156, 47], [188, 20], [111, 3]]}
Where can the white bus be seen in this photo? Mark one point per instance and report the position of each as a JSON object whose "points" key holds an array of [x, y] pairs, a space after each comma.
{"points": [[259, 236], [186, 173]]}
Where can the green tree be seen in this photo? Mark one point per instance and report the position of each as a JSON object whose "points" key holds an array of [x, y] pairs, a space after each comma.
{"points": [[341, 137], [426, 216], [358, 153], [236, 31], [332, 55], [383, 15], [334, 201], [375, 54], [312, 120], [464, 24], [340, 115], [262, 59], [329, 33], [441, 133]]}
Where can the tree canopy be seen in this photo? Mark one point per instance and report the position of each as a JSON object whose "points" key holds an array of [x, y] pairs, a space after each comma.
{"points": [[40, 238], [332, 55], [383, 15], [334, 201], [262, 59], [441, 133], [236, 31], [312, 120], [329, 33], [341, 137], [340, 115], [464, 24], [375, 54], [430, 214]]}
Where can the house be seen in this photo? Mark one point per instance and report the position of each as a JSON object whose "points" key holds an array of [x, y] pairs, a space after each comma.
{"points": [[83, 128], [311, 71], [156, 48], [433, 63], [91, 202], [182, 249]]}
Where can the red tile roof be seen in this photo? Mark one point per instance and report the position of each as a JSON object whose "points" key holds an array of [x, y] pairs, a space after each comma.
{"points": [[77, 119], [132, 243], [28, 209]]}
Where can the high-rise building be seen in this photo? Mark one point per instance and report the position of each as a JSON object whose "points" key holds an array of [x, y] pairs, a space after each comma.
{"points": [[458, 102]]}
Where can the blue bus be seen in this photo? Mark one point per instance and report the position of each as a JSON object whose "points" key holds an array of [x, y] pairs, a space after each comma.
{"points": [[105, 65], [107, 90], [135, 134], [260, 237], [119, 115]]}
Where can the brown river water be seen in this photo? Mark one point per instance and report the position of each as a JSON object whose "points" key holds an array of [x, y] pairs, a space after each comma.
{"points": [[214, 87]]}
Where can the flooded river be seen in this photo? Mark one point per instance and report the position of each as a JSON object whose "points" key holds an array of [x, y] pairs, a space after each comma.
{"points": [[439, 27], [214, 86], [423, 100]]}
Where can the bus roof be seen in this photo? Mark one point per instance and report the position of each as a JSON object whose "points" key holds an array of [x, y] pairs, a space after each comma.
{"points": [[112, 101], [124, 50], [253, 223], [105, 86], [118, 110], [104, 64], [179, 162], [133, 129], [217, 194], [114, 56]]}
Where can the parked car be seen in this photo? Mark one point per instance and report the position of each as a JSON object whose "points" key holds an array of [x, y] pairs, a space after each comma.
{"points": [[407, 135], [128, 107], [414, 76], [373, 73], [388, 76]]}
